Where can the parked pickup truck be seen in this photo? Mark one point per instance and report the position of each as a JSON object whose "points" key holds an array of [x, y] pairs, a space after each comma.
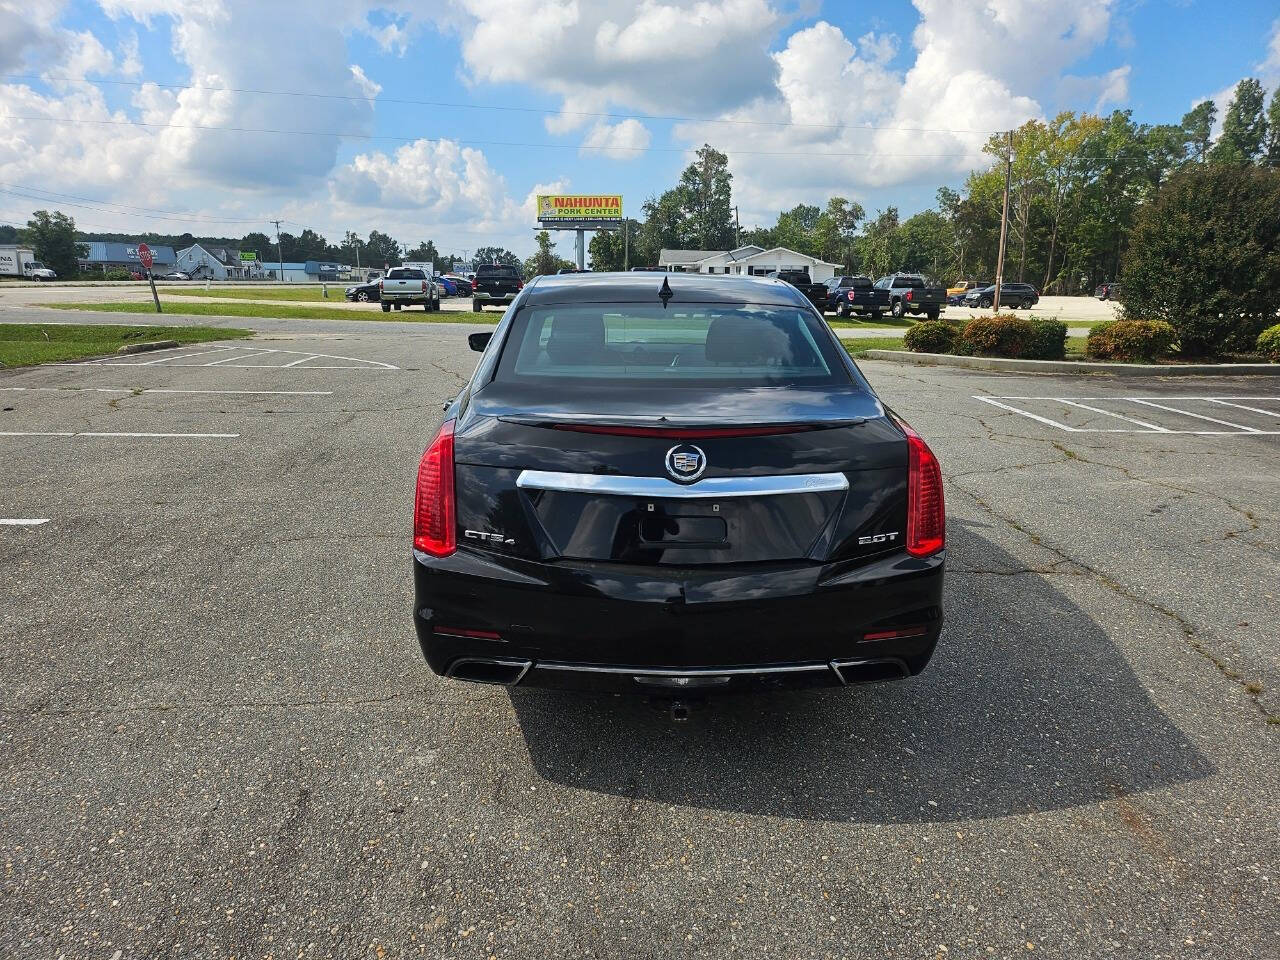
{"points": [[408, 286], [908, 293], [815, 292], [494, 284], [849, 295]]}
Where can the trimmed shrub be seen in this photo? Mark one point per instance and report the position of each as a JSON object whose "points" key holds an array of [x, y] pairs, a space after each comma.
{"points": [[1048, 339], [1204, 257], [1000, 335], [1131, 341], [1269, 343], [117, 275], [931, 336]]}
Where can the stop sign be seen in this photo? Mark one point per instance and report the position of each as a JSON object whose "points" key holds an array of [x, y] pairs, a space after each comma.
{"points": [[144, 254]]}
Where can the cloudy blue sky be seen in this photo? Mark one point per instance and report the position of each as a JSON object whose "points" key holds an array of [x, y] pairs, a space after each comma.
{"points": [[441, 120]]}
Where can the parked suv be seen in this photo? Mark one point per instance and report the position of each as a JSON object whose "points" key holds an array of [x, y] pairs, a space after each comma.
{"points": [[1012, 295]]}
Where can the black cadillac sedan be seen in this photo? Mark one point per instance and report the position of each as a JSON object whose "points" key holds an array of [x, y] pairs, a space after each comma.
{"points": [[679, 483]]}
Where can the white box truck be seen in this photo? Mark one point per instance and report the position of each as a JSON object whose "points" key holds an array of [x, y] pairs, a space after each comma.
{"points": [[16, 261]]}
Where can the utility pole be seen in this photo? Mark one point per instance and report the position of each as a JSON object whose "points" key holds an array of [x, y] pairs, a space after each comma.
{"points": [[626, 248], [1004, 225], [279, 252], [737, 228]]}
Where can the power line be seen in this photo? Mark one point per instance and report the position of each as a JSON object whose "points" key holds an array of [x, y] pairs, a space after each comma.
{"points": [[126, 208], [402, 101], [810, 154]]}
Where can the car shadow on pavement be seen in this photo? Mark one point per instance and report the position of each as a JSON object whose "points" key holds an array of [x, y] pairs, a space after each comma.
{"points": [[1027, 706]]}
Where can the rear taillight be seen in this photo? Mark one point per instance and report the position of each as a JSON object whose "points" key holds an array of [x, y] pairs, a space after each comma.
{"points": [[850, 296], [434, 524], [908, 296], [926, 514], [424, 286]]}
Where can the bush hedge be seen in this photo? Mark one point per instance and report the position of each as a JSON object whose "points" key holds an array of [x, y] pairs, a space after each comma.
{"points": [[1131, 341], [1000, 335], [931, 336], [1048, 339], [1269, 343], [117, 275]]}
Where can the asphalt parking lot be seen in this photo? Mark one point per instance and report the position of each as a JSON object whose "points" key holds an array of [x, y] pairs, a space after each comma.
{"points": [[218, 737]]}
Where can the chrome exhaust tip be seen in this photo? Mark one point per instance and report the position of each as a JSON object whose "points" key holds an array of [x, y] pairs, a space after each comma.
{"points": [[505, 673], [869, 671]]}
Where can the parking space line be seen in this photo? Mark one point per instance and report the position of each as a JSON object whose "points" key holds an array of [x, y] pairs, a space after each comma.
{"points": [[103, 433], [250, 355], [294, 363], [1198, 416], [265, 393], [179, 356], [1118, 416], [21, 522], [1033, 416], [1241, 406]]}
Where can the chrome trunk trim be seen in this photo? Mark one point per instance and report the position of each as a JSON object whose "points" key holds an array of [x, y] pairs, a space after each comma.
{"points": [[708, 488]]}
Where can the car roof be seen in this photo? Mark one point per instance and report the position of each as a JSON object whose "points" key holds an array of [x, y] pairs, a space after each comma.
{"points": [[686, 287]]}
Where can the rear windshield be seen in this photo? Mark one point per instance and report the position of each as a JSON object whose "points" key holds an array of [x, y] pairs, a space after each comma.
{"points": [[406, 274], [495, 271], [691, 345]]}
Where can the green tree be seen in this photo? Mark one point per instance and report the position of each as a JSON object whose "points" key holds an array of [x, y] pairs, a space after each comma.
{"points": [[8, 233], [926, 244], [493, 255], [880, 247], [382, 250], [258, 243], [426, 252], [546, 260], [1245, 126], [1272, 156], [666, 224], [708, 199], [835, 230], [609, 250], [797, 229], [1197, 128], [52, 237], [1205, 257]]}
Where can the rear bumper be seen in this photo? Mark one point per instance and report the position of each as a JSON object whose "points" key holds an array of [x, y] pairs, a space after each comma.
{"points": [[493, 297], [485, 617]]}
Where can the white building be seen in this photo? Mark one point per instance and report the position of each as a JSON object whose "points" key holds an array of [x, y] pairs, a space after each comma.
{"points": [[217, 263], [750, 260]]}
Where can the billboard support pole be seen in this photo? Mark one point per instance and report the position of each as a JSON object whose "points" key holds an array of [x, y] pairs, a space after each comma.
{"points": [[579, 249]]}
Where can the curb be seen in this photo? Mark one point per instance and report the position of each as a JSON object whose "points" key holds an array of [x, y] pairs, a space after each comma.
{"points": [[149, 345], [1000, 365]]}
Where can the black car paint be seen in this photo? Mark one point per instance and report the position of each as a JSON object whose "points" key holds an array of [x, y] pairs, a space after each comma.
{"points": [[564, 579]]}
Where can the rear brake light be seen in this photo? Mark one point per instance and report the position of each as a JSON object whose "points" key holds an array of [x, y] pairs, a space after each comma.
{"points": [[916, 631], [434, 525], [926, 513], [908, 296], [684, 433], [471, 634], [519, 284], [851, 295]]}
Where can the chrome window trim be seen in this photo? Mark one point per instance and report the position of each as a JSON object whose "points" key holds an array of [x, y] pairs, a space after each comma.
{"points": [[708, 488]]}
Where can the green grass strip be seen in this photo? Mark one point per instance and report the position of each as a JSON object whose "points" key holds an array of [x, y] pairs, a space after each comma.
{"points": [[23, 344], [284, 311]]}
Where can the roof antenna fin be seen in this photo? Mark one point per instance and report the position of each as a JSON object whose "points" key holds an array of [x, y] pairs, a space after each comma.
{"points": [[665, 294]]}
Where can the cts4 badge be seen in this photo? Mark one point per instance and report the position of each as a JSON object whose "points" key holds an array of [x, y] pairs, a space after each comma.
{"points": [[685, 463], [486, 537]]}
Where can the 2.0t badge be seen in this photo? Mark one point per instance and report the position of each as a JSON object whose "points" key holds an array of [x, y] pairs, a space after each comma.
{"points": [[685, 462]]}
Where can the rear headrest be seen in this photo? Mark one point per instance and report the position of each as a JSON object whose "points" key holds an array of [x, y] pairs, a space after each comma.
{"points": [[745, 341], [576, 339]]}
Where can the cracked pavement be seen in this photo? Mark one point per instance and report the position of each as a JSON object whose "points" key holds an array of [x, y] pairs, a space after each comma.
{"points": [[217, 737]]}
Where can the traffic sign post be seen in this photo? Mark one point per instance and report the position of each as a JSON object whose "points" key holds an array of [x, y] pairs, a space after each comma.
{"points": [[144, 254]]}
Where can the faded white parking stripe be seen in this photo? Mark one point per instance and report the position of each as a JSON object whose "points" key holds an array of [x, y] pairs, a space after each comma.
{"points": [[177, 360], [104, 433], [1198, 416], [1241, 406], [265, 393], [1118, 416], [9, 522]]}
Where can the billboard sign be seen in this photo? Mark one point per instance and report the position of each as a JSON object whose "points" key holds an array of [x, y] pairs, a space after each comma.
{"points": [[426, 266], [248, 256], [572, 208]]}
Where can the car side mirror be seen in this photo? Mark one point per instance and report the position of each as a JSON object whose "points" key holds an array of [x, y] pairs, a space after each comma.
{"points": [[478, 341]]}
